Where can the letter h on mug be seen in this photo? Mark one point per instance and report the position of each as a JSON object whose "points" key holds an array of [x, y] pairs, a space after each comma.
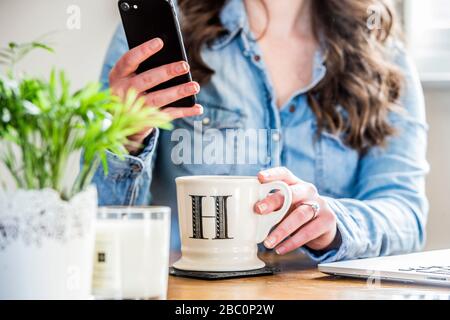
{"points": [[220, 216]]}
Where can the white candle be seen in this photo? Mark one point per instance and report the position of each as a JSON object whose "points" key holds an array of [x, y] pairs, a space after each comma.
{"points": [[132, 253]]}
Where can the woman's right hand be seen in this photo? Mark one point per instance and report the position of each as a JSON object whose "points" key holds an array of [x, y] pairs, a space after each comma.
{"points": [[123, 77]]}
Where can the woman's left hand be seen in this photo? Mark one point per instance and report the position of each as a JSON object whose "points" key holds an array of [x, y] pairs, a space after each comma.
{"points": [[301, 226]]}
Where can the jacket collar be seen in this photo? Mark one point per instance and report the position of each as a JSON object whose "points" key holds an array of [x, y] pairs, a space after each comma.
{"points": [[234, 19], [233, 15]]}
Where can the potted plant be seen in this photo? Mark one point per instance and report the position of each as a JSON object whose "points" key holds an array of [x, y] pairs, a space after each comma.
{"points": [[47, 230]]}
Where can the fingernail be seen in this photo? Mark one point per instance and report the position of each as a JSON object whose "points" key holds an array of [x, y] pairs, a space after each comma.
{"points": [[265, 174], [269, 242], [181, 67], [200, 109], [193, 88], [280, 250], [155, 43], [262, 207]]}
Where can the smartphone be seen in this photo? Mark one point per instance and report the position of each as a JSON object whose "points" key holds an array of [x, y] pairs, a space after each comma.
{"points": [[147, 19]]}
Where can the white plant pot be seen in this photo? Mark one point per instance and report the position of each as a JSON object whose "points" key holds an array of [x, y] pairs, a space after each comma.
{"points": [[46, 244]]}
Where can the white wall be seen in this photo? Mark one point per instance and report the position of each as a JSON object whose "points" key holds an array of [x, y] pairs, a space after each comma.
{"points": [[438, 182], [81, 52]]}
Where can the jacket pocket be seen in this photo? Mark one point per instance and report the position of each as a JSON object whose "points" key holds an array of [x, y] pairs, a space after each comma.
{"points": [[214, 117], [211, 151]]}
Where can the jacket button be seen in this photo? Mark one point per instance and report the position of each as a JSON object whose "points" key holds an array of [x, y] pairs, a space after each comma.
{"points": [[292, 108], [257, 58], [206, 121], [276, 137]]}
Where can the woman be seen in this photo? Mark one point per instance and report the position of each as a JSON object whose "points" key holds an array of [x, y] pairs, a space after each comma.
{"points": [[341, 99]]}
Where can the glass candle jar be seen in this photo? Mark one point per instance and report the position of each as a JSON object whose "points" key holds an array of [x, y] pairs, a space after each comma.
{"points": [[132, 253]]}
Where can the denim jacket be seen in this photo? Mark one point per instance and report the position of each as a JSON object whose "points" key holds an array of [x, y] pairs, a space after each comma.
{"points": [[378, 198]]}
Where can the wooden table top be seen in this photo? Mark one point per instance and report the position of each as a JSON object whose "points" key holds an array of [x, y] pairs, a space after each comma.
{"points": [[299, 279]]}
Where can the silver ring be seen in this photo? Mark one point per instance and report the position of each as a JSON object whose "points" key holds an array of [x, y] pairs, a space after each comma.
{"points": [[314, 206]]}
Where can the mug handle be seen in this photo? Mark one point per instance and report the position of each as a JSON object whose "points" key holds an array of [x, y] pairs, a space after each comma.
{"points": [[268, 221]]}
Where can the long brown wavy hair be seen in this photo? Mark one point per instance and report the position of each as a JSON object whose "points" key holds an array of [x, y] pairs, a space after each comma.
{"points": [[360, 78]]}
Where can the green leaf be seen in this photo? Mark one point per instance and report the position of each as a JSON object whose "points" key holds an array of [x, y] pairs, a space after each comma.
{"points": [[38, 45], [48, 123]]}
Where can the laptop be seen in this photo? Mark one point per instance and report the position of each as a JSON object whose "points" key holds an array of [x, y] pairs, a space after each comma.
{"points": [[430, 268]]}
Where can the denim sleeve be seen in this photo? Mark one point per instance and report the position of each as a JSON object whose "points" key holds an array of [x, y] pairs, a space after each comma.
{"points": [[389, 212], [128, 180]]}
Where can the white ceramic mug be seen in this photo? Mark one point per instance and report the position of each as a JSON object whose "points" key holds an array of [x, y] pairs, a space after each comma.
{"points": [[218, 226]]}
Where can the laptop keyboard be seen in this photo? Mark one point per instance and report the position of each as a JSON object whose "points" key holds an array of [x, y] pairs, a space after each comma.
{"points": [[430, 270]]}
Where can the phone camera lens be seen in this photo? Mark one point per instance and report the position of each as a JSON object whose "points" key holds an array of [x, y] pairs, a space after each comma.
{"points": [[125, 6]]}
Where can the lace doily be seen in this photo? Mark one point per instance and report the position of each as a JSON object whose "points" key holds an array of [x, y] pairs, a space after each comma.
{"points": [[35, 215]]}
